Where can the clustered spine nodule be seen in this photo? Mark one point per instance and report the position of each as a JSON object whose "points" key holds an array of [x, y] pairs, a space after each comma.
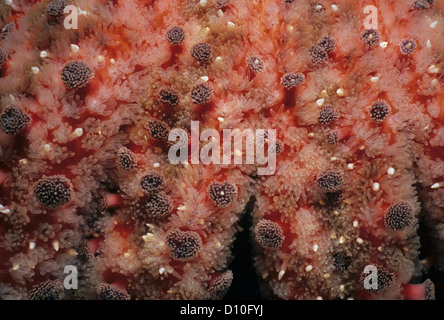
{"points": [[157, 129], [379, 111], [407, 46], [201, 93], [318, 54], [423, 4], [330, 181], [255, 64], [221, 285], [126, 159], [317, 7], [184, 245], [2, 57], [150, 182], [223, 193], [202, 52], [13, 119], [77, 74], [327, 43], [327, 115], [399, 216], [169, 96], [429, 290], [175, 35], [291, 80], [56, 8], [332, 136], [341, 261], [371, 37], [6, 30], [159, 205], [53, 192], [269, 234], [106, 291], [48, 290]]}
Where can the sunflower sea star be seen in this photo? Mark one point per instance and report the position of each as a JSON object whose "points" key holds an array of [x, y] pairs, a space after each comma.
{"points": [[87, 113]]}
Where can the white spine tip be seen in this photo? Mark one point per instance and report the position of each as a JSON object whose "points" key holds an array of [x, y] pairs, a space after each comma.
{"points": [[433, 69], [231, 24], [35, 70], [433, 24], [320, 102], [203, 3], [383, 44], [281, 274], [359, 240], [43, 54], [374, 79], [334, 7], [78, 132], [56, 245], [219, 59], [156, 165], [31, 245], [75, 48], [309, 268], [221, 119], [436, 185], [340, 92], [101, 59], [204, 78], [315, 248], [375, 186], [391, 171], [350, 166], [341, 239], [161, 270], [429, 44], [47, 147], [355, 224], [112, 61]]}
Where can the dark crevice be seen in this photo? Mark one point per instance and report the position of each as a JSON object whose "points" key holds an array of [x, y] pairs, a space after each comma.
{"points": [[245, 282]]}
